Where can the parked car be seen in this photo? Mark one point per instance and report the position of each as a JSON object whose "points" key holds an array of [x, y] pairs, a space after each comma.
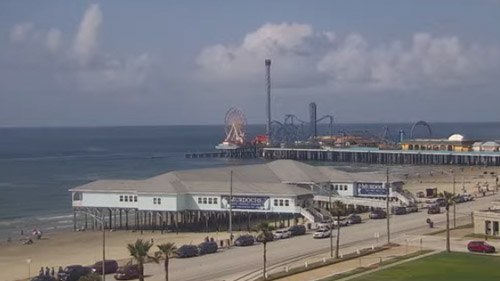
{"points": [[441, 202], [354, 219], [110, 266], [297, 230], [399, 210], [420, 194], [44, 278], [411, 209], [325, 224], [434, 210], [467, 197], [207, 248], [282, 233], [341, 222], [378, 214], [128, 272], [187, 251], [270, 237], [73, 272], [244, 240], [430, 203], [322, 233], [480, 246]]}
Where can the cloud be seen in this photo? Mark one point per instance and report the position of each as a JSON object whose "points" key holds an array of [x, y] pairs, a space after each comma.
{"points": [[303, 57], [53, 40], [19, 32], [80, 65], [86, 39]]}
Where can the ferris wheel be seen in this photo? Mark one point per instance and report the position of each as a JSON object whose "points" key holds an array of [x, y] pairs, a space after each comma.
{"points": [[235, 126]]}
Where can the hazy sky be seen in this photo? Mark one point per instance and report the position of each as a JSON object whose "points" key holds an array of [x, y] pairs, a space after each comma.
{"points": [[92, 63]]}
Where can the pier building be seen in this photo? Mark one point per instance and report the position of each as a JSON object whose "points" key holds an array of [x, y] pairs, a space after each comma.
{"points": [[202, 198], [455, 142]]}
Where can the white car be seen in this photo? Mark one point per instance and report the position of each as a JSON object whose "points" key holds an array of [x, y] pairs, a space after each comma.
{"points": [[324, 225], [282, 233], [467, 197], [430, 204], [322, 233], [341, 222]]}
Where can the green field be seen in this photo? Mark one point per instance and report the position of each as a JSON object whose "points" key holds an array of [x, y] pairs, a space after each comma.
{"points": [[454, 266]]}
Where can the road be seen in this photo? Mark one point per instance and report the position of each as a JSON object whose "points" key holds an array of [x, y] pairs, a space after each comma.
{"points": [[245, 263]]}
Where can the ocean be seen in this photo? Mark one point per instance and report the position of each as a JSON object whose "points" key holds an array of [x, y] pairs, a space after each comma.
{"points": [[39, 165]]}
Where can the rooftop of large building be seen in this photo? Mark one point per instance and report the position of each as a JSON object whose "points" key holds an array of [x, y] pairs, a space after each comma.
{"points": [[269, 178]]}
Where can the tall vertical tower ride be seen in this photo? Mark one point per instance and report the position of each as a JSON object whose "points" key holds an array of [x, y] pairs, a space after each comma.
{"points": [[268, 104], [313, 120]]}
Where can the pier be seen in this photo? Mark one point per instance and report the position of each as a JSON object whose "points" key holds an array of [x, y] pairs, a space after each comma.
{"points": [[389, 157], [243, 152]]}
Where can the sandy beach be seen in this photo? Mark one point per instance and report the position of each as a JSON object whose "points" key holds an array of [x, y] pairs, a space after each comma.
{"points": [[62, 249]]}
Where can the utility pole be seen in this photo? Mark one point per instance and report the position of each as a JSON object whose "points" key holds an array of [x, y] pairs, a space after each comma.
{"points": [[387, 206], [103, 247], [230, 208], [454, 204], [331, 221]]}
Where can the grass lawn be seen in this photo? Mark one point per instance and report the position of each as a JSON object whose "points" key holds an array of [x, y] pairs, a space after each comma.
{"points": [[454, 266]]}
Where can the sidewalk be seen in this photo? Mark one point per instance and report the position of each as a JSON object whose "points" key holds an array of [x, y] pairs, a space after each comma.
{"points": [[349, 265]]}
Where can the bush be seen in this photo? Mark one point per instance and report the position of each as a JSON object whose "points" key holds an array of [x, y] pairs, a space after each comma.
{"points": [[91, 277]]}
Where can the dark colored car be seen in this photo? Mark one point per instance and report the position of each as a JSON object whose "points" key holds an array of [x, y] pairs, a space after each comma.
{"points": [[244, 240], [73, 273], [480, 246], [207, 248], [441, 202], [44, 278], [110, 266], [434, 210], [297, 230], [187, 251], [378, 214], [354, 219], [399, 210], [128, 272], [411, 209]]}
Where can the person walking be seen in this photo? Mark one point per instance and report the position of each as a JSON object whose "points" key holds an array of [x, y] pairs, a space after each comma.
{"points": [[53, 272], [41, 271]]}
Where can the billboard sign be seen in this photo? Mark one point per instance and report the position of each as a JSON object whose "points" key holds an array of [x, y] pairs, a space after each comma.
{"points": [[371, 189], [247, 202]]}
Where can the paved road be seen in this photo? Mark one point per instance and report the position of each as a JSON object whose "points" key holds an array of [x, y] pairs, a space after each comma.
{"points": [[245, 263]]}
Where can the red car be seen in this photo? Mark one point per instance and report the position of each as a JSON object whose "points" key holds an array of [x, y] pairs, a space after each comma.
{"points": [[480, 246]]}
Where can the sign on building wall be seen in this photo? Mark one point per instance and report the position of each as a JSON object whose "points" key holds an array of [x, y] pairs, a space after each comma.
{"points": [[371, 189], [247, 202]]}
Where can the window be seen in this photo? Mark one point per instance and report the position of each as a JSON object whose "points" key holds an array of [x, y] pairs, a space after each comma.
{"points": [[275, 202], [159, 201], [130, 198], [345, 187], [204, 200], [199, 200], [287, 203], [210, 201], [126, 198], [281, 202], [495, 228], [121, 198], [154, 200], [135, 198], [487, 227], [215, 200]]}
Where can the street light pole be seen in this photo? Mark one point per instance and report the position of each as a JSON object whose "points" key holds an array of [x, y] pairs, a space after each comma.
{"points": [[454, 205], [103, 247], [331, 221], [230, 208], [387, 206]]}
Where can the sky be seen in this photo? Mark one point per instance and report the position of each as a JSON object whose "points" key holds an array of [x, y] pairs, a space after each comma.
{"points": [[121, 62]]}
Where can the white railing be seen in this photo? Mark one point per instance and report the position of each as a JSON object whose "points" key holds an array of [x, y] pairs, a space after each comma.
{"points": [[306, 214], [359, 201]]}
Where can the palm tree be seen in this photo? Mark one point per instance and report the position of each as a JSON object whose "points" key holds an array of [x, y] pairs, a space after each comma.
{"points": [[167, 250], [140, 252], [449, 199], [264, 235], [337, 209]]}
